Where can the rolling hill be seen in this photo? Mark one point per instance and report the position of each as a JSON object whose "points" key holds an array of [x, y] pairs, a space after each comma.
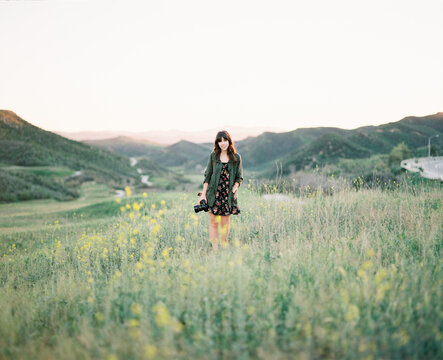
{"points": [[303, 148], [267, 147], [184, 152], [325, 149], [24, 144], [127, 146]]}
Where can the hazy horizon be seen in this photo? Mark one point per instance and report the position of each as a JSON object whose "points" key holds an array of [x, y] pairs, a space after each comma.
{"points": [[75, 66]]}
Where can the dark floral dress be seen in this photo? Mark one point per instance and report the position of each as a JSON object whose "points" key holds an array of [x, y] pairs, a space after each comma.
{"points": [[221, 205]]}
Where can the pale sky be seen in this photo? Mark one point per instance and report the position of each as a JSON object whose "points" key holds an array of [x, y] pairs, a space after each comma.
{"points": [[194, 65]]}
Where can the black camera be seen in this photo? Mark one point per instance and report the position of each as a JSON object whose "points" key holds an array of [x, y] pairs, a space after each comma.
{"points": [[203, 206]]}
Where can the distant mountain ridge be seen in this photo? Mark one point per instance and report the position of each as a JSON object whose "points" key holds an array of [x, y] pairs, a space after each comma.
{"points": [[171, 136], [300, 148], [127, 146]]}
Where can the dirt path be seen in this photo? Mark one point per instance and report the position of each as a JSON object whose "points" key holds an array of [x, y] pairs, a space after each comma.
{"points": [[144, 177]]}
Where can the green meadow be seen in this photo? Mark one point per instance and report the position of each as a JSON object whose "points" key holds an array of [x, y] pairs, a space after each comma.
{"points": [[352, 275]]}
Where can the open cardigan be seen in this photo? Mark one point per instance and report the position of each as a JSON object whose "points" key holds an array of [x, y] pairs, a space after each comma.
{"points": [[212, 177]]}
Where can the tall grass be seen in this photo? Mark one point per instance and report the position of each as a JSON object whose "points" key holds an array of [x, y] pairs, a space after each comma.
{"points": [[355, 275]]}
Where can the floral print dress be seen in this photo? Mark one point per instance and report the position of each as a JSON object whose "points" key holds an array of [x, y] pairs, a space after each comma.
{"points": [[221, 205]]}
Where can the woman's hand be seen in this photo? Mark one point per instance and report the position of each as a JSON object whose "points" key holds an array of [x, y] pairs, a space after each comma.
{"points": [[202, 197], [235, 187]]}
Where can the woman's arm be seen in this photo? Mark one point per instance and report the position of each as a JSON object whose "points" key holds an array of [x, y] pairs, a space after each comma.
{"points": [[239, 175], [208, 171], [235, 187], [205, 188]]}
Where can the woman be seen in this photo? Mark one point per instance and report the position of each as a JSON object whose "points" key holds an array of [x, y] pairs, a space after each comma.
{"points": [[223, 176]]}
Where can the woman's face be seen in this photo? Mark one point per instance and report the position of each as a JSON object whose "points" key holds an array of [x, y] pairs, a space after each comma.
{"points": [[224, 144]]}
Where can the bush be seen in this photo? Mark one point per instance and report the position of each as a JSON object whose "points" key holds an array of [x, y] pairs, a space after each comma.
{"points": [[398, 153]]}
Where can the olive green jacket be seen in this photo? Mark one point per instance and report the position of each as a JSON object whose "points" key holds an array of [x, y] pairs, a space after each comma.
{"points": [[212, 177]]}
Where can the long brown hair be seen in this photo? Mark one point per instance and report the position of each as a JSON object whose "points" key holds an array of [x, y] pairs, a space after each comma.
{"points": [[231, 148]]}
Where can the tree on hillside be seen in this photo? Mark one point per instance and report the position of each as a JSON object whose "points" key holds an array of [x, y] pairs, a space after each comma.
{"points": [[435, 150], [398, 153]]}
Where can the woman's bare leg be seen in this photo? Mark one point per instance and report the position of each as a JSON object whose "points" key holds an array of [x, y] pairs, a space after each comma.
{"points": [[225, 227], [213, 230]]}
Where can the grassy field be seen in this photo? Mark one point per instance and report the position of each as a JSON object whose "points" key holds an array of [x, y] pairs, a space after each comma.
{"points": [[355, 275]]}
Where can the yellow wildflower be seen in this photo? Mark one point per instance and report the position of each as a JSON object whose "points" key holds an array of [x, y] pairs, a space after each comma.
{"points": [[165, 253], [250, 310], [366, 265], [381, 274], [177, 326], [403, 336], [99, 317], [361, 273], [381, 289], [136, 309], [353, 313], [156, 229], [150, 351], [162, 316], [133, 322]]}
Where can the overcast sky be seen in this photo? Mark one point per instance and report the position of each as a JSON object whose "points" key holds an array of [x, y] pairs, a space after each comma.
{"points": [[190, 65]]}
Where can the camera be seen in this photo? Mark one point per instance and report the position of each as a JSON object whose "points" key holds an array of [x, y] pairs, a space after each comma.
{"points": [[203, 206]]}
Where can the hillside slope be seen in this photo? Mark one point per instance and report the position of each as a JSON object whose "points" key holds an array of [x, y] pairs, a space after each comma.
{"points": [[24, 144], [127, 146], [184, 153], [310, 147], [270, 146]]}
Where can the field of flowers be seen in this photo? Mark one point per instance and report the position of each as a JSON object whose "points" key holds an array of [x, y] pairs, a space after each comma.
{"points": [[353, 275]]}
